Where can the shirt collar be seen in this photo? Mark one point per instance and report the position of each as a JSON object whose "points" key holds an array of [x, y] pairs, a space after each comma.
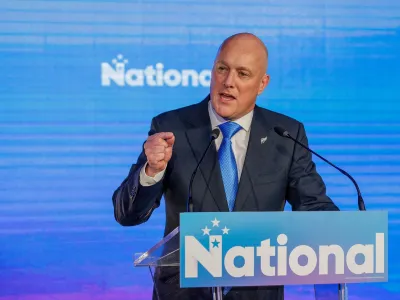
{"points": [[216, 119]]}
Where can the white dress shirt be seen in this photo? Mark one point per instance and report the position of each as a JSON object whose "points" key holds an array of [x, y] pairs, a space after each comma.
{"points": [[239, 144]]}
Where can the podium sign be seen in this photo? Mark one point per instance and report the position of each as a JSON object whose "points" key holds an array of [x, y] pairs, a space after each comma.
{"points": [[282, 248]]}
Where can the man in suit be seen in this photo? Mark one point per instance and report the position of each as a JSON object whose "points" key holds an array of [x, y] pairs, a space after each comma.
{"points": [[248, 168]]}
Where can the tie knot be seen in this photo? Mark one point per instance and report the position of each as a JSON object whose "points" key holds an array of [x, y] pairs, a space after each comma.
{"points": [[229, 129]]}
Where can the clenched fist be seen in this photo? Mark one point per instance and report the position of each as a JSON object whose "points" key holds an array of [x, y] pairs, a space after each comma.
{"points": [[158, 150]]}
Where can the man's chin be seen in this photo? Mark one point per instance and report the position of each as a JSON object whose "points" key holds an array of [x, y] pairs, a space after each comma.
{"points": [[225, 114]]}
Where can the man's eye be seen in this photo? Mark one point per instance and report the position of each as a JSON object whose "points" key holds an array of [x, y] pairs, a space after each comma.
{"points": [[243, 74], [221, 68]]}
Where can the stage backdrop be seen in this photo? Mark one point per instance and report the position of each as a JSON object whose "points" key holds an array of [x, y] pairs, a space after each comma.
{"points": [[81, 80]]}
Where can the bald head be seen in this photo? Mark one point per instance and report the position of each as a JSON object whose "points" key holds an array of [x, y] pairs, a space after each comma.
{"points": [[238, 75], [248, 42]]}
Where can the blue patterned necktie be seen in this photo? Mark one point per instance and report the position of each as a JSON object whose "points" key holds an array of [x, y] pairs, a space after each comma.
{"points": [[227, 162]]}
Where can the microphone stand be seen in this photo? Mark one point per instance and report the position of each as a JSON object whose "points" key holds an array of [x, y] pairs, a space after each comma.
{"points": [[214, 135], [284, 133], [361, 205], [216, 291]]}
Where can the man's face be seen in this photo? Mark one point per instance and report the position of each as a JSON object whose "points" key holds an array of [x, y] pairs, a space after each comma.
{"points": [[238, 76]]}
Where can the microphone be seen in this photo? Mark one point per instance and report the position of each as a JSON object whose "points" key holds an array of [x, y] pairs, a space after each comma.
{"points": [[214, 135], [284, 133]]}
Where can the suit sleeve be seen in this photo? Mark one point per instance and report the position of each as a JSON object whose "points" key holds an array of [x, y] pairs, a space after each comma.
{"points": [[306, 190], [134, 203]]}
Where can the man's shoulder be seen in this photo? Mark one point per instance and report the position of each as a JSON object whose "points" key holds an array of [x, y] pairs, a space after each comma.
{"points": [[279, 119], [184, 112], [173, 113]]}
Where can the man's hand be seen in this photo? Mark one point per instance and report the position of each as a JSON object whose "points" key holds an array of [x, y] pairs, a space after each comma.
{"points": [[158, 150]]}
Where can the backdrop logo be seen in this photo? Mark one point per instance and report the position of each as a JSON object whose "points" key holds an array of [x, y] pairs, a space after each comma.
{"points": [[257, 248], [154, 76]]}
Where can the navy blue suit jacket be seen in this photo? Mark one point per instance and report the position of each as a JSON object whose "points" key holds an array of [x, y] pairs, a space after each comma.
{"points": [[274, 172]]}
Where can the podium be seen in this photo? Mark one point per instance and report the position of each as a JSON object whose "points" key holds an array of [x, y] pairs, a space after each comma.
{"points": [[185, 249]]}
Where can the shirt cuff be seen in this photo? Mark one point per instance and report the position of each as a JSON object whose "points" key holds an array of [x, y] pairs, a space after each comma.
{"points": [[146, 180]]}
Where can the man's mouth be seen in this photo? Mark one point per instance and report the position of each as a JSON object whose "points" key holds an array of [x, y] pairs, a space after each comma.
{"points": [[227, 96]]}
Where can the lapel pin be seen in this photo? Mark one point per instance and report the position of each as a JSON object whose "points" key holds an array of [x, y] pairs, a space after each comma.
{"points": [[264, 139]]}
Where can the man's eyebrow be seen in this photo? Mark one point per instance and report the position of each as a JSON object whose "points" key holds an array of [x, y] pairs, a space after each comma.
{"points": [[221, 62], [243, 68]]}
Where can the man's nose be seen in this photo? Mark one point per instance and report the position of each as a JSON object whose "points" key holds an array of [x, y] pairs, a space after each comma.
{"points": [[229, 80]]}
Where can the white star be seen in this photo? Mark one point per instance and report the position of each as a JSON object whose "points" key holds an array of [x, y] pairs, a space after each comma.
{"points": [[225, 230], [215, 222], [206, 231]]}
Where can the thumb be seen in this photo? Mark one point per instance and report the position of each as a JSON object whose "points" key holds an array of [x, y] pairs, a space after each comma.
{"points": [[168, 154], [171, 140]]}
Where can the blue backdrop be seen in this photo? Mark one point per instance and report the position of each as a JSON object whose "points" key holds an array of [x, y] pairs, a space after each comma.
{"points": [[81, 80]]}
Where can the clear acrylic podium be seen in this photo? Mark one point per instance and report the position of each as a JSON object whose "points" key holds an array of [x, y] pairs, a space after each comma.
{"points": [[166, 254]]}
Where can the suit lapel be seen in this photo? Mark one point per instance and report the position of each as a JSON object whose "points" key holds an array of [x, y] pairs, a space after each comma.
{"points": [[198, 135], [257, 156]]}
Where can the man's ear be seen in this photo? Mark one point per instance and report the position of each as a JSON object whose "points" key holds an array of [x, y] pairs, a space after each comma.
{"points": [[263, 84]]}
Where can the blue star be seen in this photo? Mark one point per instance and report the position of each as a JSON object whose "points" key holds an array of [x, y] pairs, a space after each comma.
{"points": [[215, 243]]}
